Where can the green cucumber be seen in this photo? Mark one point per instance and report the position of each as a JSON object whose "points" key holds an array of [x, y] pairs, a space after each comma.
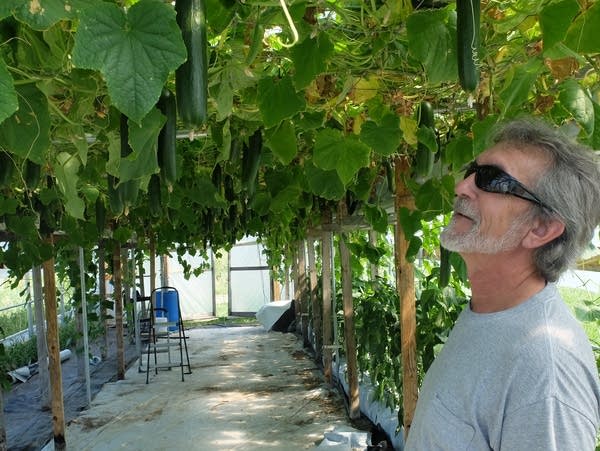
{"points": [[115, 196], [424, 157], [129, 190], [191, 79], [257, 40], [100, 215], [32, 174], [167, 139], [154, 196], [467, 41], [445, 267], [6, 168], [390, 176], [425, 115], [251, 154]]}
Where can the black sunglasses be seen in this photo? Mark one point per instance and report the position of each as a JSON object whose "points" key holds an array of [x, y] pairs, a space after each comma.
{"points": [[494, 180]]}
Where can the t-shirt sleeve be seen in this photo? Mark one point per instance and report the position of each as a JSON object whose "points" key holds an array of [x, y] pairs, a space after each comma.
{"points": [[548, 425]]}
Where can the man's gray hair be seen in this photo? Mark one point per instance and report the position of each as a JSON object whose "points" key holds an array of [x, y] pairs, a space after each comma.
{"points": [[570, 185]]}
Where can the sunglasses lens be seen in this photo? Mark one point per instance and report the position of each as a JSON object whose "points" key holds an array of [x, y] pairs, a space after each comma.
{"points": [[490, 178], [493, 179]]}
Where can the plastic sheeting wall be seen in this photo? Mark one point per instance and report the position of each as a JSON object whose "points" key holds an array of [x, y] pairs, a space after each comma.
{"points": [[196, 294], [249, 278]]}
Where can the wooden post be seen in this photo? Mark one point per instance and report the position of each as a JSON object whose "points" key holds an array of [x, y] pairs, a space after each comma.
{"points": [[405, 284], [40, 328], [302, 290], [349, 337], [327, 307], [54, 369], [118, 311], [315, 301]]}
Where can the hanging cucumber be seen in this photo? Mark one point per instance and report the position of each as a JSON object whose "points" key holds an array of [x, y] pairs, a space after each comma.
{"points": [[129, 190], [32, 174], [228, 189], [424, 156], [154, 196], [167, 139], [257, 40], [191, 80], [467, 40], [445, 267], [6, 168], [251, 161], [115, 196], [389, 176], [100, 215]]}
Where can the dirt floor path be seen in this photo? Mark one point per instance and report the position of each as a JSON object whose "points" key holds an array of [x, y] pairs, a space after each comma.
{"points": [[249, 390]]}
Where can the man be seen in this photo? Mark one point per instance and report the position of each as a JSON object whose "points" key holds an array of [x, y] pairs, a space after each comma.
{"points": [[517, 371]]}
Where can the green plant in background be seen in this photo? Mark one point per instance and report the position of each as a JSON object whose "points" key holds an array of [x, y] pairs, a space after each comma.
{"points": [[377, 328], [22, 353], [13, 321]]}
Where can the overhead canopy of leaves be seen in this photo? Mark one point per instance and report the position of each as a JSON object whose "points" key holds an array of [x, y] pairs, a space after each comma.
{"points": [[332, 110]]}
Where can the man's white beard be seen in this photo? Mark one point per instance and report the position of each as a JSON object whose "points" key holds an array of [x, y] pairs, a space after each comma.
{"points": [[473, 241]]}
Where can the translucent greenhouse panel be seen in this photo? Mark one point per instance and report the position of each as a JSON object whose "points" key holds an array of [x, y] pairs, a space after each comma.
{"points": [[249, 278], [196, 294], [247, 254], [249, 290]]}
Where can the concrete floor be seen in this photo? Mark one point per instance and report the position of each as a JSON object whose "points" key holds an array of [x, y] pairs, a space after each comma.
{"points": [[249, 390]]}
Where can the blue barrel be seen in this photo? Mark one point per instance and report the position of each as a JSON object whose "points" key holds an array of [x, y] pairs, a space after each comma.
{"points": [[168, 301]]}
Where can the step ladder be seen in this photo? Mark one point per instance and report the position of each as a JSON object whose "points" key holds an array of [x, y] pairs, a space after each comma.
{"points": [[166, 333]]}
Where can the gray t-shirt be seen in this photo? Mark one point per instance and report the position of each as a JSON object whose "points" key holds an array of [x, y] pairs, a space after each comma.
{"points": [[520, 379]]}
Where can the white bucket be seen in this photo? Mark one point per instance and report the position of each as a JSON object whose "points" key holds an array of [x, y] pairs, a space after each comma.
{"points": [[161, 329]]}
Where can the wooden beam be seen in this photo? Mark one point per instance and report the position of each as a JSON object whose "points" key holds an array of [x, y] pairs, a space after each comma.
{"points": [[349, 336], [326, 272], [54, 368], [316, 301], [405, 284], [40, 332], [303, 292]]}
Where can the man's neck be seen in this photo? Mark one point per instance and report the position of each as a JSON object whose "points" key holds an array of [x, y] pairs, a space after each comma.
{"points": [[499, 283]]}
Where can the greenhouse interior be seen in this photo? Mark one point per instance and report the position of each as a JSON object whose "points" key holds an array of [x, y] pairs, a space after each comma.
{"points": [[221, 220]]}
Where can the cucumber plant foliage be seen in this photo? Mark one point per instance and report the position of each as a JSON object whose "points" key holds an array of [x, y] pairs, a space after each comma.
{"points": [[331, 110]]}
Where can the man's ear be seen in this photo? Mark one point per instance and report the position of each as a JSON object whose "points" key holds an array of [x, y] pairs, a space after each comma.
{"points": [[543, 232]]}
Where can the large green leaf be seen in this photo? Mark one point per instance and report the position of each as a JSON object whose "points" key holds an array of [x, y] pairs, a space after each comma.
{"points": [[8, 95], [383, 138], [134, 52], [325, 184], [27, 132], [481, 133], [344, 154], [66, 171], [583, 36], [555, 19], [143, 140], [278, 100], [282, 142], [432, 41], [7, 7], [42, 14], [519, 82], [219, 13], [310, 59], [575, 100]]}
